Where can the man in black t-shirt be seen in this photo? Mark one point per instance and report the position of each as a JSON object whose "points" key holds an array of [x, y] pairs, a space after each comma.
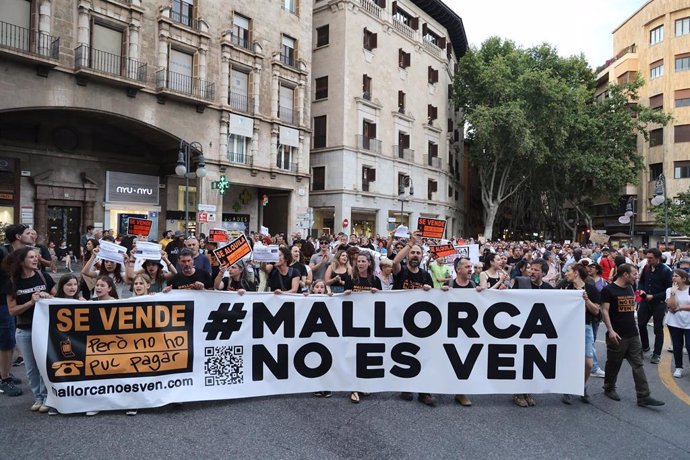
{"points": [[410, 276], [622, 336], [189, 277]]}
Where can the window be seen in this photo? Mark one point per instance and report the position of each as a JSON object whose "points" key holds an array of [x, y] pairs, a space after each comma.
{"points": [[368, 176], [320, 124], [318, 178], [366, 87], [432, 187], [403, 145], [656, 35], [238, 98], [683, 63], [321, 88], [238, 148], [286, 156], [432, 113], [432, 155], [286, 107], [681, 133], [106, 49], [403, 59], [370, 40], [656, 137], [401, 102], [182, 12], [682, 97], [626, 77], [180, 67], [655, 170], [681, 170], [368, 134], [682, 26], [450, 191], [322, 37], [403, 181], [656, 70], [240, 31], [450, 126], [287, 51], [432, 75], [656, 102], [290, 6]]}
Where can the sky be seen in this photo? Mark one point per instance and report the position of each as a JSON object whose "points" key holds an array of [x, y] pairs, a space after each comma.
{"points": [[573, 27]]}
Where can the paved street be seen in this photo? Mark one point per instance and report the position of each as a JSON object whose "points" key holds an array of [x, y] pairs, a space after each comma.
{"points": [[382, 426]]}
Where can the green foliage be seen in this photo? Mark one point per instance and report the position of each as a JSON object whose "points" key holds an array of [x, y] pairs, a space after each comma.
{"points": [[678, 213]]}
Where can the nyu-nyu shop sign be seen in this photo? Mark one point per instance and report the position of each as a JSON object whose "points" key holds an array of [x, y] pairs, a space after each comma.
{"points": [[131, 188]]}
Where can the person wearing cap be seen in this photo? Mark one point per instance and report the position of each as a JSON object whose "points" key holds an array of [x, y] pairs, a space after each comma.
{"points": [[684, 264]]}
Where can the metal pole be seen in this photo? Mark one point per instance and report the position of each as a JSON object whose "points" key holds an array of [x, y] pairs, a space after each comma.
{"points": [[665, 216], [402, 203], [186, 191]]}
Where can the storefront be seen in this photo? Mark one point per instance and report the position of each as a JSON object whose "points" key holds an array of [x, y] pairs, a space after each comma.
{"points": [[130, 195], [364, 223], [9, 191]]}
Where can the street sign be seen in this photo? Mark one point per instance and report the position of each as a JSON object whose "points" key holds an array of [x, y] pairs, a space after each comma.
{"points": [[207, 207], [202, 217]]}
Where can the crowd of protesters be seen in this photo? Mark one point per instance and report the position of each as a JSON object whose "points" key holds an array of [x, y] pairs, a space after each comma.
{"points": [[623, 289]]}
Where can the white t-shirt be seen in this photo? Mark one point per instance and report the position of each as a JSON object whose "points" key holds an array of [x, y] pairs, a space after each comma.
{"points": [[680, 319]]}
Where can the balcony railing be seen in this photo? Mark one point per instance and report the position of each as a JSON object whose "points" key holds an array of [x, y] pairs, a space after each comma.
{"points": [[404, 29], [370, 7], [287, 56], [431, 48], [433, 161], [184, 84], [120, 66], [240, 41], [29, 41], [286, 165], [241, 102], [184, 20], [368, 143], [240, 158], [404, 153], [286, 114]]}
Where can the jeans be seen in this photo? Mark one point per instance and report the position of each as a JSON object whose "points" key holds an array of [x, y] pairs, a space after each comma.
{"points": [[644, 313], [678, 336], [38, 388], [629, 349], [589, 341], [595, 358]]}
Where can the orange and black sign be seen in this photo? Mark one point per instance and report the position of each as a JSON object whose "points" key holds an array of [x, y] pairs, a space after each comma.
{"points": [[431, 228], [238, 248], [128, 339], [217, 235], [139, 227], [442, 250]]}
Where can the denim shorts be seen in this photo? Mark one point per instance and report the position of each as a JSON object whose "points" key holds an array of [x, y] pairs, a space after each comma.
{"points": [[589, 341]]}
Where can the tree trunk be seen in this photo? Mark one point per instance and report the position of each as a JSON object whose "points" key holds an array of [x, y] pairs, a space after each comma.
{"points": [[489, 218]]}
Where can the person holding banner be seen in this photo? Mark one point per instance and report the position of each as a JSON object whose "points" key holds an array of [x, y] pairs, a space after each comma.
{"points": [[319, 262], [201, 262], [109, 268], [440, 272], [281, 278], [27, 286], [234, 278], [298, 264], [339, 272], [189, 277], [411, 276], [154, 270], [385, 273], [68, 287], [493, 276]]}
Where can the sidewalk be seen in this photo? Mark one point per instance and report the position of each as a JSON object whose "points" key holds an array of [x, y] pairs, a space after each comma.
{"points": [[61, 270]]}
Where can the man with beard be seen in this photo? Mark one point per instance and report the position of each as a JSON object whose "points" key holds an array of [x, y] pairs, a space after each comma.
{"points": [[189, 277], [410, 276]]}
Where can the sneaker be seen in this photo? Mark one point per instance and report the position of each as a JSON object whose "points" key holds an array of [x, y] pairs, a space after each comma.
{"points": [[655, 359], [646, 350], [91, 413], [53, 411], [530, 401], [8, 388], [678, 373], [131, 412], [18, 362], [567, 399], [670, 349], [426, 398], [598, 373], [519, 400], [318, 394], [463, 400], [35, 406], [326, 394], [649, 402], [44, 409], [585, 398], [612, 394], [14, 379], [406, 396]]}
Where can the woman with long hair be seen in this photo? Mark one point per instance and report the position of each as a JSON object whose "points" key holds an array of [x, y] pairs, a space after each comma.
{"points": [[111, 269], [27, 286], [298, 264], [234, 278], [339, 272], [68, 287], [493, 277], [154, 270], [678, 317], [105, 289], [281, 278]]}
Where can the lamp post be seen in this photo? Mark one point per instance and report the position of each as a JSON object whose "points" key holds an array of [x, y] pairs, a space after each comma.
{"points": [[630, 213], [183, 169], [407, 182], [660, 197]]}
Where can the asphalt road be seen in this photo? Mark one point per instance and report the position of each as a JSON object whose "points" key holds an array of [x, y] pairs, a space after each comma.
{"points": [[381, 426]]}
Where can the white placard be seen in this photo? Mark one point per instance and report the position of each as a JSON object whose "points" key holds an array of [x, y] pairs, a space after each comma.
{"points": [[111, 251], [262, 253], [264, 230], [402, 232]]}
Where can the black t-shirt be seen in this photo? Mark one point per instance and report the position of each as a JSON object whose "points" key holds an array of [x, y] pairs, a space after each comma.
{"points": [[181, 281], [621, 302], [593, 295], [24, 289], [405, 279], [362, 284], [276, 280], [337, 287], [543, 285], [237, 285], [470, 285]]}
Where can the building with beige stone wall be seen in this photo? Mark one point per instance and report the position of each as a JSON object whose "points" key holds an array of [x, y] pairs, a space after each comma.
{"points": [[382, 116], [96, 96], [654, 41]]}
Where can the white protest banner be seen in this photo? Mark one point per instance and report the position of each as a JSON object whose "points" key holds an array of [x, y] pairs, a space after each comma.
{"points": [[402, 232], [148, 251], [467, 251], [263, 253], [209, 345], [264, 230], [111, 251]]}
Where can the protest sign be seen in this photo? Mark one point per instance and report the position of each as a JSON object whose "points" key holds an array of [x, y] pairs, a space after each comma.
{"points": [[262, 253], [234, 251], [192, 346], [442, 250], [139, 227], [264, 230], [111, 251], [217, 235], [402, 232], [431, 228]]}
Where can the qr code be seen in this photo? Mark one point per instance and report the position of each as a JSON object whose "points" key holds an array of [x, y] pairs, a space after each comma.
{"points": [[224, 365]]}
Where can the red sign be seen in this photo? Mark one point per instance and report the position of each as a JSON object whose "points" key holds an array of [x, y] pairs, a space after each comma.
{"points": [[346, 223], [217, 235], [139, 227], [431, 228], [238, 248], [442, 250], [203, 217]]}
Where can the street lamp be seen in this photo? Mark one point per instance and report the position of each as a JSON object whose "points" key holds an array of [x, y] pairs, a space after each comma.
{"points": [[407, 182], [183, 169], [629, 216], [660, 197]]}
